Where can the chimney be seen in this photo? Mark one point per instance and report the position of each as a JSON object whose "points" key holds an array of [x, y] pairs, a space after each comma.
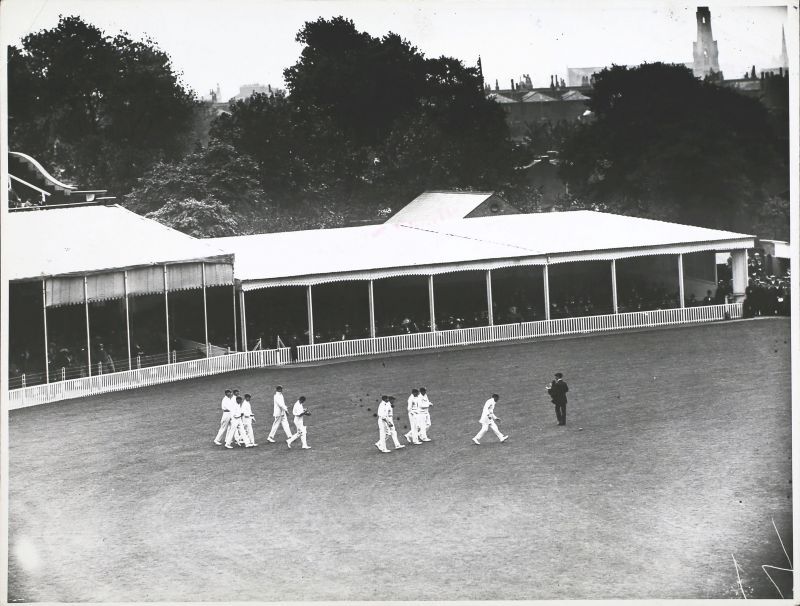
{"points": [[512, 84]]}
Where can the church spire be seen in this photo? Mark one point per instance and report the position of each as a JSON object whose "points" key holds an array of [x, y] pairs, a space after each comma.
{"points": [[784, 54]]}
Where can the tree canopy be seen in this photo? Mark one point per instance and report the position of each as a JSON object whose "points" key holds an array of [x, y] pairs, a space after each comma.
{"points": [[370, 119], [100, 109], [670, 145]]}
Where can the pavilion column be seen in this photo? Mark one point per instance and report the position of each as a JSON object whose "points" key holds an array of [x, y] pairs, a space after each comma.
{"points": [[235, 331], [128, 320], [243, 319], [489, 301], [614, 302], [166, 309], [546, 278], [44, 317], [205, 306], [371, 292], [88, 336], [681, 294], [431, 306], [740, 275], [310, 308]]}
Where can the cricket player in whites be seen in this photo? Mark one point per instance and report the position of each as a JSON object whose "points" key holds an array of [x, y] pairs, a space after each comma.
{"points": [[299, 411], [424, 414], [279, 412], [488, 419], [248, 418], [413, 417], [386, 425], [227, 401], [235, 427]]}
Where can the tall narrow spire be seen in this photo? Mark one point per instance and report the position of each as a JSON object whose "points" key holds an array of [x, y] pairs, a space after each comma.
{"points": [[784, 54]]}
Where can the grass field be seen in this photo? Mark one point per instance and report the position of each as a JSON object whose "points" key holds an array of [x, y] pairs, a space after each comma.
{"points": [[683, 460]]}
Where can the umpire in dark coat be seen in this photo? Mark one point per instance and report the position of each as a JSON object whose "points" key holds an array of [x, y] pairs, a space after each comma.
{"points": [[558, 394]]}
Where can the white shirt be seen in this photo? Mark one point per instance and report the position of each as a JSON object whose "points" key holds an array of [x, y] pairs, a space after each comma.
{"points": [[247, 411], [226, 403], [298, 409], [424, 402], [385, 411], [236, 409], [488, 411], [413, 404], [279, 406]]}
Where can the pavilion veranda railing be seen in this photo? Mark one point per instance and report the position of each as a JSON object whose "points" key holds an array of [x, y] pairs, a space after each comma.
{"points": [[165, 373]]}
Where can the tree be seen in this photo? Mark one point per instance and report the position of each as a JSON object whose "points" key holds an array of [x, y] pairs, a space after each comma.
{"points": [[100, 109], [208, 218], [213, 173], [665, 141]]}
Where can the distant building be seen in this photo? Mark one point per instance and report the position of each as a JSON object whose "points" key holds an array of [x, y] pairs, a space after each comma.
{"points": [[248, 90], [706, 53]]}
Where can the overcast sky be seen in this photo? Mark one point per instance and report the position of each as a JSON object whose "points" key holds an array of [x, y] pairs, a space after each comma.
{"points": [[245, 41]]}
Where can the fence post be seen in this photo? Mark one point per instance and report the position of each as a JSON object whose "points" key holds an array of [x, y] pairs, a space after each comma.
{"points": [[23, 380], [63, 374], [174, 356]]}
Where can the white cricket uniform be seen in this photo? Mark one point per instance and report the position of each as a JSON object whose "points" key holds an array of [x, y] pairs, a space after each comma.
{"points": [[297, 410], [226, 417], [247, 420], [279, 412], [424, 416], [235, 427], [413, 434], [487, 421], [386, 426]]}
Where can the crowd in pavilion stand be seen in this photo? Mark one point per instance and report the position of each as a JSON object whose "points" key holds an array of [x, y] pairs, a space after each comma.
{"points": [[766, 295]]}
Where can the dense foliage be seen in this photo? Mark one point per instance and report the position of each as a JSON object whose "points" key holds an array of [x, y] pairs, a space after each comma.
{"points": [[666, 144], [99, 109]]}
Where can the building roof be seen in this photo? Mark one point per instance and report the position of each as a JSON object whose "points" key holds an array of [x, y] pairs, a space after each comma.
{"points": [[90, 239], [536, 97], [574, 95], [394, 249], [437, 206], [498, 98]]}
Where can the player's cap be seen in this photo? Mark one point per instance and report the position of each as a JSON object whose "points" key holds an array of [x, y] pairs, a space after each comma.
{"points": [[422, 390], [415, 391], [239, 399], [559, 375], [278, 388], [228, 391], [384, 397], [247, 395], [495, 396], [302, 398]]}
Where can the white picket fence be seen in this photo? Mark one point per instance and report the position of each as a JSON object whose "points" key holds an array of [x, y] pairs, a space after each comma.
{"points": [[155, 375]]}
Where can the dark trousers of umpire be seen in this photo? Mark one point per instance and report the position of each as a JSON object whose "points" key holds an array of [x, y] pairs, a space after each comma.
{"points": [[561, 413]]}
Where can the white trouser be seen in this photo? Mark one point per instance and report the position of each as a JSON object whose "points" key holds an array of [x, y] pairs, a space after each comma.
{"points": [[236, 429], [381, 443], [248, 428], [427, 417], [223, 425], [301, 431], [282, 422], [384, 428], [422, 425], [413, 424], [485, 427]]}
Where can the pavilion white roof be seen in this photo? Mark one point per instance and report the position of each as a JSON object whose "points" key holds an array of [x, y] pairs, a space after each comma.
{"points": [[394, 249], [438, 206], [93, 239]]}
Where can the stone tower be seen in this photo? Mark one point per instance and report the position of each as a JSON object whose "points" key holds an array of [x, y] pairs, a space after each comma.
{"points": [[706, 55], [784, 61]]}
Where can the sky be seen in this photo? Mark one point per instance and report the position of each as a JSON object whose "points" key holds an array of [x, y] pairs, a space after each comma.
{"points": [[239, 42]]}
